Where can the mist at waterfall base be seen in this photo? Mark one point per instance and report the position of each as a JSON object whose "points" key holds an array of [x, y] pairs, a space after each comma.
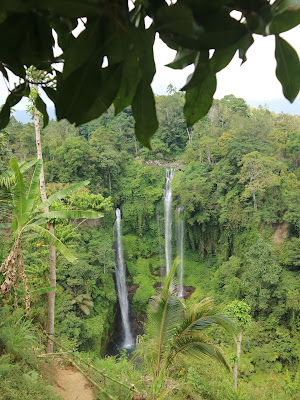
{"points": [[128, 341]]}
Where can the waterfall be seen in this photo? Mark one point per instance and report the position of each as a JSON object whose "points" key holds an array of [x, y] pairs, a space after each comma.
{"points": [[122, 287], [180, 251], [168, 219], [159, 241]]}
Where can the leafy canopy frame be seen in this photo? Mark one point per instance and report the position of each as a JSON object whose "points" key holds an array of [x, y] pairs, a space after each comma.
{"points": [[83, 89]]}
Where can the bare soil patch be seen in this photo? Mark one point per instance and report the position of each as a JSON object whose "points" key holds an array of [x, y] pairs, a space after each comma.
{"points": [[280, 233], [70, 384]]}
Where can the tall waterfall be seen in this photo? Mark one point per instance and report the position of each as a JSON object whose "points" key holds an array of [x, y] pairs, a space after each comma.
{"points": [[168, 218], [122, 287], [180, 250], [158, 220]]}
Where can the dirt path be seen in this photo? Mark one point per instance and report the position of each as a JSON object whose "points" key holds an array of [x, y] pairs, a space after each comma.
{"points": [[70, 384]]}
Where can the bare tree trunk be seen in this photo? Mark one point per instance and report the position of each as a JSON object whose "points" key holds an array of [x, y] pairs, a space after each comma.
{"points": [[109, 181], [135, 146], [51, 295], [238, 343], [190, 135], [254, 201]]}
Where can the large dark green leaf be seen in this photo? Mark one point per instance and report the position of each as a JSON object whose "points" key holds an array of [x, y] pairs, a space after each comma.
{"points": [[144, 112], [51, 93], [3, 71], [85, 49], [63, 27], [183, 58], [143, 48], [198, 100], [74, 8], [286, 16], [16, 68], [130, 79], [178, 20], [117, 42], [222, 58], [220, 30], [202, 69], [288, 68], [244, 44], [28, 41], [67, 8], [87, 93], [215, 30], [13, 99], [41, 106], [12, 29], [4, 115]]}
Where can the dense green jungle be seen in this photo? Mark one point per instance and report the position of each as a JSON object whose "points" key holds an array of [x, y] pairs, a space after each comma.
{"points": [[236, 180]]}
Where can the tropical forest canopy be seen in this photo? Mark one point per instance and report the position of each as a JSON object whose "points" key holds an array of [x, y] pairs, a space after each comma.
{"points": [[111, 61], [237, 181]]}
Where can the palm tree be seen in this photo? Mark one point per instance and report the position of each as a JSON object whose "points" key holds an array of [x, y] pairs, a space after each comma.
{"points": [[83, 301], [28, 217], [172, 329]]}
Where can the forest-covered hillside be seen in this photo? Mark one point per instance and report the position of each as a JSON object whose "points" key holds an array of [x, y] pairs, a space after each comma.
{"points": [[236, 180]]}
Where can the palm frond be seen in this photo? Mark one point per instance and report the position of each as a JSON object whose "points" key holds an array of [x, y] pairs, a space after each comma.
{"points": [[68, 214], [84, 309], [40, 221], [164, 314], [219, 319], [195, 312], [163, 319], [61, 195], [44, 233], [197, 346], [19, 194], [7, 178]]}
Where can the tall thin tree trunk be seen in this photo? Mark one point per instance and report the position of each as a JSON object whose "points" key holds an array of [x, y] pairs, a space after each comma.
{"points": [[238, 354], [109, 181], [135, 146], [190, 135], [254, 201], [51, 295]]}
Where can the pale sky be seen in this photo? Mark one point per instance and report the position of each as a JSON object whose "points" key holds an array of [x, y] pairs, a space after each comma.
{"points": [[254, 80]]}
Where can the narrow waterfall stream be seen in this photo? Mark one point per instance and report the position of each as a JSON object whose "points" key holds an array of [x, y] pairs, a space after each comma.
{"points": [[158, 220], [180, 251], [122, 287], [168, 218]]}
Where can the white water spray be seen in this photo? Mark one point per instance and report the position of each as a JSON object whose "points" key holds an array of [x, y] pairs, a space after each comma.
{"points": [[122, 287], [180, 251], [168, 219]]}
